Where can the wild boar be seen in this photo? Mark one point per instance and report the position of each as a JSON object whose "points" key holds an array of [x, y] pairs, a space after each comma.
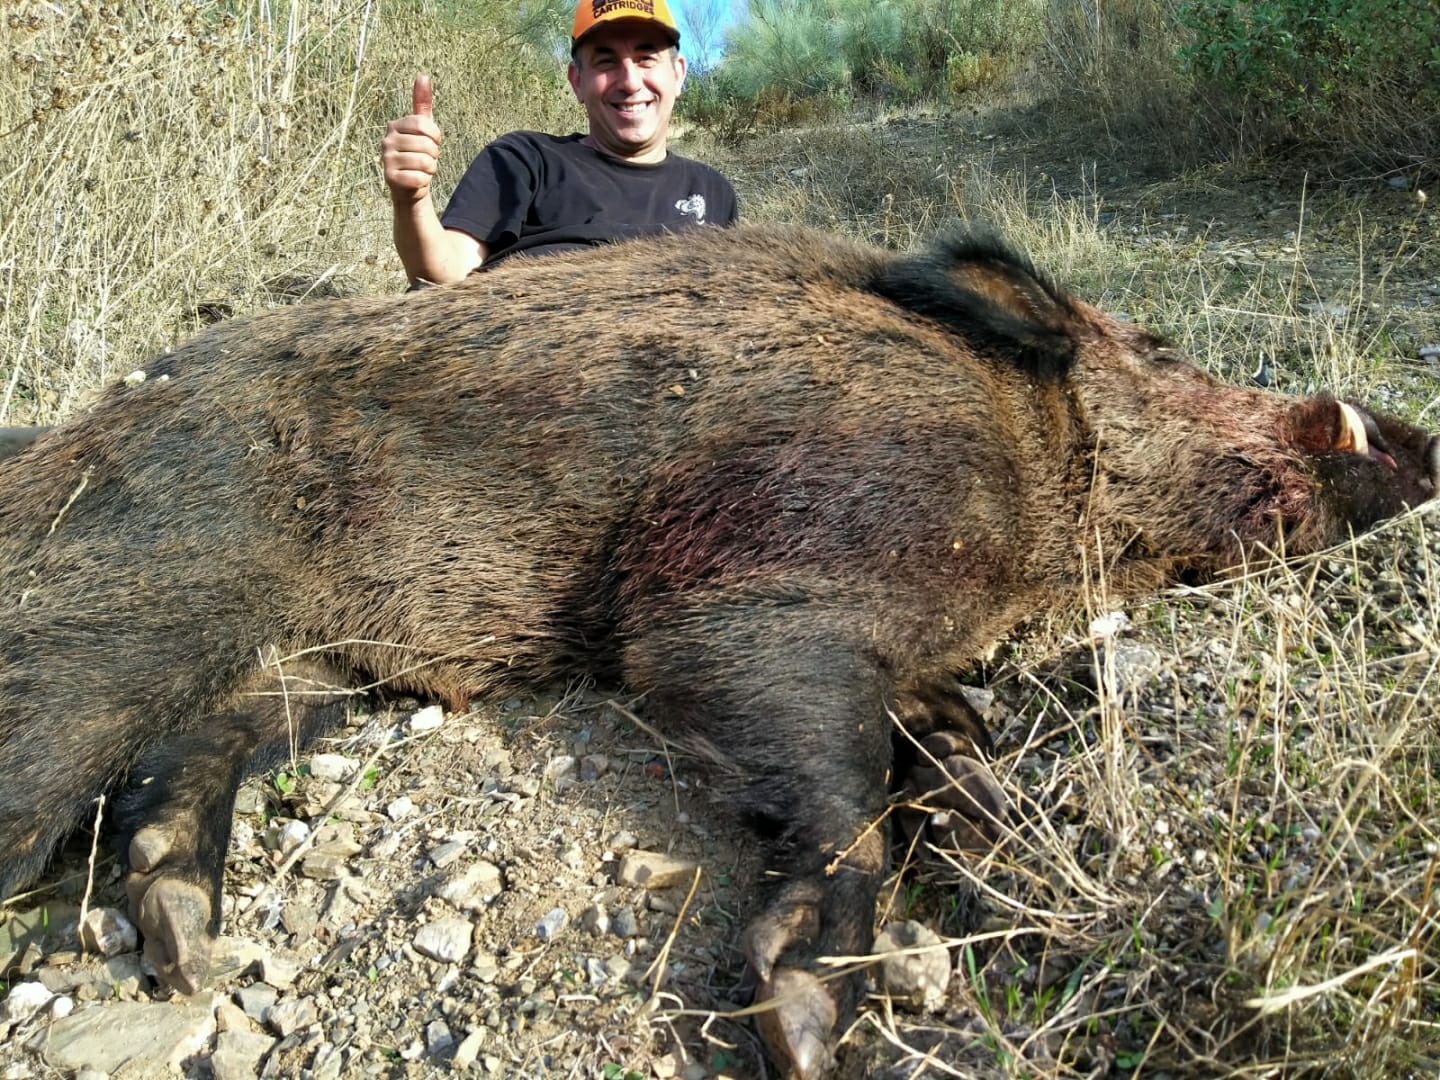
{"points": [[785, 484]]}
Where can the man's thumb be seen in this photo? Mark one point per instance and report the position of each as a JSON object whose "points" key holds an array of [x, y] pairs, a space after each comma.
{"points": [[424, 96]]}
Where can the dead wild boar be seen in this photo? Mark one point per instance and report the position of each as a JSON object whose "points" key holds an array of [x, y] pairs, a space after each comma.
{"points": [[784, 484]]}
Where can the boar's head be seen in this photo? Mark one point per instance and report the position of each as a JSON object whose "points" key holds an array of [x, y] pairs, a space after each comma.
{"points": [[1182, 471]]}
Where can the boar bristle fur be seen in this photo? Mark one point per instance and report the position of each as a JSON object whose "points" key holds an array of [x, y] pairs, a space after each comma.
{"points": [[980, 288]]}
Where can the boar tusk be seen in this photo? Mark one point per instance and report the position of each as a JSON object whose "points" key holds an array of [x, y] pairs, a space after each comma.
{"points": [[1352, 431]]}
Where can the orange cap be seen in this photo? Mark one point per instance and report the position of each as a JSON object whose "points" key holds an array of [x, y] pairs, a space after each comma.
{"points": [[591, 13]]}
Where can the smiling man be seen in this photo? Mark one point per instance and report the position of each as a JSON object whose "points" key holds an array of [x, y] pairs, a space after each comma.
{"points": [[533, 193]]}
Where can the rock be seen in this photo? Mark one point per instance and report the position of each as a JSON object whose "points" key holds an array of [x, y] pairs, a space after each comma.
{"points": [[319, 866], [593, 766], [334, 768], [108, 932], [549, 927], [623, 841], [572, 857], [255, 999], [239, 1054], [468, 1050], [279, 970], [124, 974], [24, 1001], [438, 1038], [446, 940], [400, 809], [652, 870], [624, 923], [299, 920], [427, 719], [148, 1040], [920, 977], [286, 1017], [560, 765], [595, 920], [442, 855], [474, 887]]}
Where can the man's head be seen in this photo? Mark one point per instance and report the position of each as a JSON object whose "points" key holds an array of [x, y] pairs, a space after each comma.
{"points": [[626, 70]]}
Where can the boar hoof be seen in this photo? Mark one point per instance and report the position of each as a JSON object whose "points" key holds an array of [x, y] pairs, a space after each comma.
{"points": [[173, 915], [968, 810], [796, 1022]]}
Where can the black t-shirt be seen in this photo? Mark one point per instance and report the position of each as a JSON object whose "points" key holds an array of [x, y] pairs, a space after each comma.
{"points": [[538, 193]]}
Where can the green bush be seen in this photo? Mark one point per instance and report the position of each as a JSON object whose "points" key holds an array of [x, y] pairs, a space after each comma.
{"points": [[1327, 71]]}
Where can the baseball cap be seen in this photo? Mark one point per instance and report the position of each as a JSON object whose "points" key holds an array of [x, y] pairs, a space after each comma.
{"points": [[592, 13]]}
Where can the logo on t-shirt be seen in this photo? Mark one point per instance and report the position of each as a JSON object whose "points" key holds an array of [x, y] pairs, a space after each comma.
{"points": [[694, 207]]}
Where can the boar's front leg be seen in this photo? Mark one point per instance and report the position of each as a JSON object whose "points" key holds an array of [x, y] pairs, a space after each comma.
{"points": [[788, 698], [938, 765], [175, 815]]}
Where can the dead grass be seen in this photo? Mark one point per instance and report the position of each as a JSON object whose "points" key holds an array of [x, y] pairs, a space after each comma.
{"points": [[1226, 867]]}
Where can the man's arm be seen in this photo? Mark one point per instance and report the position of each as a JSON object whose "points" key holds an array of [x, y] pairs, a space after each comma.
{"points": [[410, 154]]}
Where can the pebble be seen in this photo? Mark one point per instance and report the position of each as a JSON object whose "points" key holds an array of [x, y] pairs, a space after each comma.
{"points": [[427, 719], [442, 855], [549, 927], [468, 1050], [446, 940], [653, 870], [623, 841], [624, 924], [438, 1038], [24, 1001], [474, 887], [255, 999], [400, 809], [335, 768], [921, 977], [239, 1054], [595, 920], [108, 932], [287, 1017]]}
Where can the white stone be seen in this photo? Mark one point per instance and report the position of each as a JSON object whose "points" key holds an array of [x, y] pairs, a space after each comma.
{"points": [[427, 719], [24, 1001], [336, 768]]}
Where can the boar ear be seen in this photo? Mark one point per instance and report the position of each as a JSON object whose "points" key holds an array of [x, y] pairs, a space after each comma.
{"points": [[985, 292]]}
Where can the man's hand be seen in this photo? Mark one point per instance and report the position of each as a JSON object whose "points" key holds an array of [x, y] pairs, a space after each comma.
{"points": [[410, 151], [410, 154]]}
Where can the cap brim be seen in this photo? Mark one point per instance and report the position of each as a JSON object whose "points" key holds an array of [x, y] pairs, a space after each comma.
{"points": [[668, 31]]}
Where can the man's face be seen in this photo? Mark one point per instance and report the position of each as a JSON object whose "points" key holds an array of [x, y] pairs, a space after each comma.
{"points": [[627, 76]]}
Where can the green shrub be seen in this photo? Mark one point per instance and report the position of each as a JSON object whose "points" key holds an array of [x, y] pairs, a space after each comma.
{"points": [[1362, 76]]}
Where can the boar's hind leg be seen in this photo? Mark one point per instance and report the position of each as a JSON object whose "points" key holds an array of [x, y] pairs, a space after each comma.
{"points": [[175, 816], [796, 710]]}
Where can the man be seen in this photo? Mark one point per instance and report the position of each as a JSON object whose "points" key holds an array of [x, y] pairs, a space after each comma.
{"points": [[534, 193]]}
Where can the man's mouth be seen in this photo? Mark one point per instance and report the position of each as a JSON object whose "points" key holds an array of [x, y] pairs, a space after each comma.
{"points": [[633, 108]]}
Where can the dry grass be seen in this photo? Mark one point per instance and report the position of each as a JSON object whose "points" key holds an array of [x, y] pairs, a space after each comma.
{"points": [[1228, 864]]}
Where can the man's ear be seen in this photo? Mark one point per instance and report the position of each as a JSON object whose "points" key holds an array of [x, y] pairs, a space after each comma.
{"points": [[680, 67], [572, 73]]}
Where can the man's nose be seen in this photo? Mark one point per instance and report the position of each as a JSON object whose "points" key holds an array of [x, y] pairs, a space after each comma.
{"points": [[631, 75]]}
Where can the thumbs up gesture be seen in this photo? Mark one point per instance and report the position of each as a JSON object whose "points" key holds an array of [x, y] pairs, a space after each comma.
{"points": [[410, 151]]}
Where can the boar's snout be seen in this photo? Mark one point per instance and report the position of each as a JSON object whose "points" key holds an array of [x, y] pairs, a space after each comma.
{"points": [[1370, 466]]}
